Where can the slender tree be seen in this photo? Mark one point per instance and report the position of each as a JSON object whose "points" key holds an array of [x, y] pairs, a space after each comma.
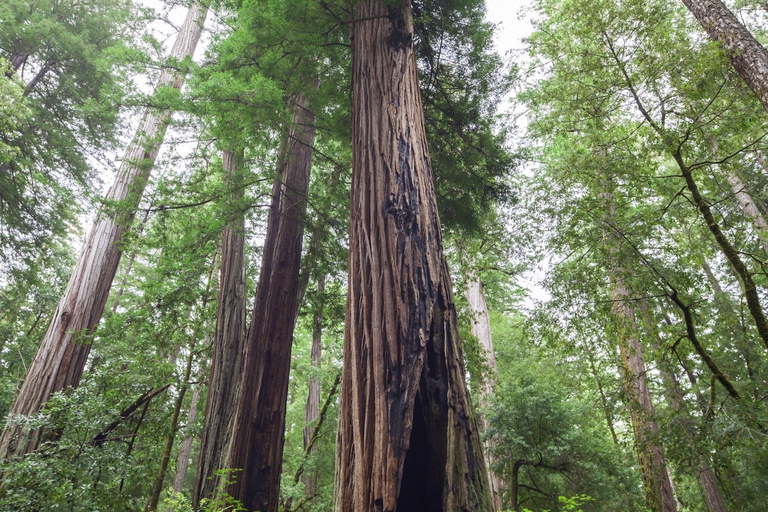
{"points": [[408, 437], [61, 358], [481, 329]]}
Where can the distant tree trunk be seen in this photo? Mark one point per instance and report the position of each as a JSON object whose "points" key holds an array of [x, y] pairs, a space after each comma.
{"points": [[312, 409], [408, 437], [603, 400], [747, 55], [259, 431], [157, 488], [481, 329], [228, 344], [659, 495], [61, 358], [186, 445], [749, 208], [712, 495]]}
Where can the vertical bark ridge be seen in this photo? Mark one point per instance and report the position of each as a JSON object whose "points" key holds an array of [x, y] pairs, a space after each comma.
{"points": [[312, 409], [228, 344], [747, 55], [401, 339], [258, 437], [61, 358]]}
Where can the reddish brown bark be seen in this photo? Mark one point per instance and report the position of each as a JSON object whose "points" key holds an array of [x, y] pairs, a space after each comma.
{"points": [[747, 55], [228, 345], [61, 358], [312, 409], [408, 438], [258, 437]]}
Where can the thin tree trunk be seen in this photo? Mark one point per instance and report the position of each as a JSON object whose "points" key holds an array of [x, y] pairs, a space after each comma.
{"points": [[747, 55], [481, 329], [259, 432], [603, 401], [748, 284], [312, 409], [408, 438], [749, 208], [61, 358], [157, 487], [659, 495], [228, 345], [712, 495], [186, 445]]}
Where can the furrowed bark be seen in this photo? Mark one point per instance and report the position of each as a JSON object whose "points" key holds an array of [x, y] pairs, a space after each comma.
{"points": [[312, 409], [659, 494], [481, 329], [747, 55], [259, 431], [61, 358], [228, 345], [408, 438]]}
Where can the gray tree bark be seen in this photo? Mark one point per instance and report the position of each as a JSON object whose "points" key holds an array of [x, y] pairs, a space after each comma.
{"points": [[747, 55], [481, 329], [61, 358], [749, 208]]}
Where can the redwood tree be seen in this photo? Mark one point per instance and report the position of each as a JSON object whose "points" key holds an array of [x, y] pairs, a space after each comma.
{"points": [[60, 361], [747, 55], [408, 437], [228, 343], [259, 429]]}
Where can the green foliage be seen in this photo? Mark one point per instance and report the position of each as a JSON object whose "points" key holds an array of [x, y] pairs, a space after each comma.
{"points": [[70, 57]]}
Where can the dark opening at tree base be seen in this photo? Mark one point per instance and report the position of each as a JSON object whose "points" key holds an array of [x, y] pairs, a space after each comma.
{"points": [[421, 488]]}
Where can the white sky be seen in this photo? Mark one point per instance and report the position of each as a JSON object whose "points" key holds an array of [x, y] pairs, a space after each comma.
{"points": [[507, 14]]}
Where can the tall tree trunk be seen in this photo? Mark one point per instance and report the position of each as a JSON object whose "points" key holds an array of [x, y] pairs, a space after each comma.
{"points": [[747, 55], [712, 495], [259, 431], [749, 208], [186, 445], [659, 495], [408, 437], [481, 329], [228, 344], [312, 409], [61, 358]]}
